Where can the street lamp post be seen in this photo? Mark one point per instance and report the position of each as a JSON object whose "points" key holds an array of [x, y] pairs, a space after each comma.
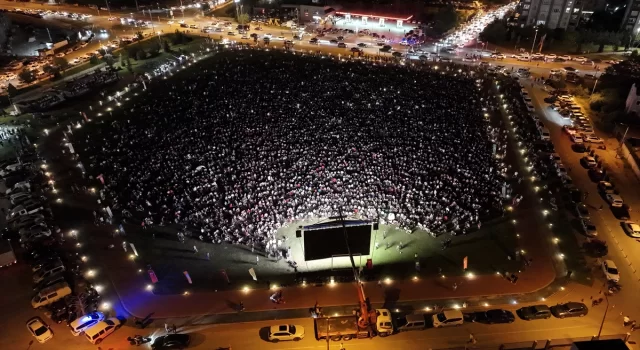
{"points": [[235, 3], [534, 41], [108, 9], [605, 313]]}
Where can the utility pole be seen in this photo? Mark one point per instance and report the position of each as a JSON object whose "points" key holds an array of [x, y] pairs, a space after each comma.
{"points": [[108, 9], [605, 313], [534, 42]]}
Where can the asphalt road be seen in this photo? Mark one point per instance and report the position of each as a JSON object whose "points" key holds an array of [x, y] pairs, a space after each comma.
{"points": [[623, 250], [16, 294]]}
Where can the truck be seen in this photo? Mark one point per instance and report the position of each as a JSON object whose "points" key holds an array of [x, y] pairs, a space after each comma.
{"points": [[348, 327], [7, 256]]}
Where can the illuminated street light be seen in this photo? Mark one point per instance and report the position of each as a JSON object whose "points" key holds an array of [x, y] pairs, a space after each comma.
{"points": [[105, 306], [149, 287], [98, 288]]}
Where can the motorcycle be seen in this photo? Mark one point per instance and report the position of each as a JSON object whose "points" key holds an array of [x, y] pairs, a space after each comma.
{"points": [[138, 340]]}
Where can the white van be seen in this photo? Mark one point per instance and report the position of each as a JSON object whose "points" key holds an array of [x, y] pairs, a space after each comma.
{"points": [[384, 324], [448, 318], [50, 295], [544, 134], [101, 330]]}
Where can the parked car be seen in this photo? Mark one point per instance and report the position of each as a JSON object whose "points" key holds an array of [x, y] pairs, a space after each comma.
{"points": [[582, 211], [494, 316], [102, 329], [588, 162], [535, 312], [610, 271], [171, 342], [589, 228], [631, 228], [82, 323], [285, 332], [570, 309], [39, 329], [605, 187]]}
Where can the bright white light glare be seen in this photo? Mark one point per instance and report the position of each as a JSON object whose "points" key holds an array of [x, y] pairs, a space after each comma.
{"points": [[105, 306], [98, 288], [149, 287]]}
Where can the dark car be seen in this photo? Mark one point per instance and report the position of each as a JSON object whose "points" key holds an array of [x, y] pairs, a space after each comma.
{"points": [[342, 45], [579, 147], [596, 174], [570, 309], [494, 316], [171, 342], [333, 41], [386, 48], [535, 312], [621, 213], [550, 99]]}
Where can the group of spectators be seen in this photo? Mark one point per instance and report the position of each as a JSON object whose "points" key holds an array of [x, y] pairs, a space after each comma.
{"points": [[257, 140], [85, 83]]}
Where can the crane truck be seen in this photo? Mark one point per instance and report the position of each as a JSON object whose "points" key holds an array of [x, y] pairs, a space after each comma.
{"points": [[365, 322]]}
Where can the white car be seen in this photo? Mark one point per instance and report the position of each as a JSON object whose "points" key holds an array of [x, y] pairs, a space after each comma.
{"points": [[631, 228], [565, 57], [580, 59], [170, 22], [610, 271], [555, 71], [589, 162], [593, 139], [80, 324], [39, 329], [576, 139], [60, 54], [286, 332], [550, 56], [83, 44]]}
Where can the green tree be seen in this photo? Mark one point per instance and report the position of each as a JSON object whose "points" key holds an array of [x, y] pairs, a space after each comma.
{"points": [[446, 19], [243, 18], [166, 46], [27, 76], [141, 55], [154, 49], [94, 60], [139, 35], [108, 59], [121, 59], [12, 90], [50, 69], [132, 51], [128, 64], [495, 32], [61, 62]]}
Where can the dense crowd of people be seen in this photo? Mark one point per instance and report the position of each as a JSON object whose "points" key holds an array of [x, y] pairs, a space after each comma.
{"points": [[257, 140]]}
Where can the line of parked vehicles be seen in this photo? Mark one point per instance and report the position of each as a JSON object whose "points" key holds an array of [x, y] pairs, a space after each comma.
{"points": [[344, 328], [58, 287], [580, 133]]}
